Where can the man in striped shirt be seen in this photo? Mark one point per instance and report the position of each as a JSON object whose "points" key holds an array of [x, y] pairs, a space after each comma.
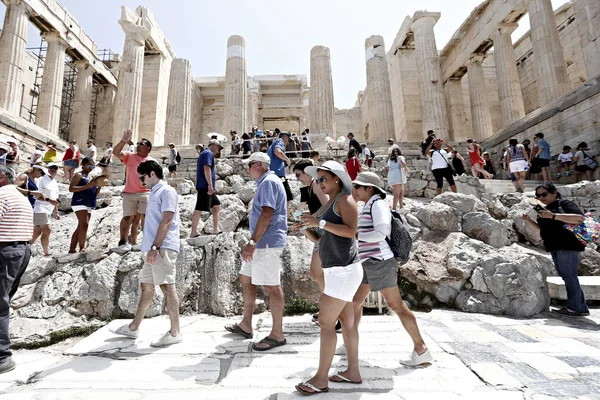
{"points": [[16, 229]]}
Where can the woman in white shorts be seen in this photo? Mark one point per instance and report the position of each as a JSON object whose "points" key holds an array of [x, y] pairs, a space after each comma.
{"points": [[83, 202], [518, 161], [342, 272], [396, 176]]}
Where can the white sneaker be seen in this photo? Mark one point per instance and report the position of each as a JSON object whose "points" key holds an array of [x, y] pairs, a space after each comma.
{"points": [[340, 350], [416, 360], [125, 331], [122, 249], [167, 340]]}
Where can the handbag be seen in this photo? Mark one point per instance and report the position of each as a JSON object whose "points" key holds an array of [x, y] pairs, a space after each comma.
{"points": [[589, 161], [586, 232]]}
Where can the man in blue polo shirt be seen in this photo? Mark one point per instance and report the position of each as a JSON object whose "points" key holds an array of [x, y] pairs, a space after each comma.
{"points": [[261, 257], [543, 155], [279, 160], [161, 245], [206, 199]]}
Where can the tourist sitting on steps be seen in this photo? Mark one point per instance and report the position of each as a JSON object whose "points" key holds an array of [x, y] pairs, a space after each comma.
{"points": [[585, 162], [85, 191], [440, 167], [161, 245], [563, 245], [342, 274], [261, 257], [379, 265]]}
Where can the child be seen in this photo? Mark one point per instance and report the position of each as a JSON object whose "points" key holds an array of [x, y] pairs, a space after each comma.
{"points": [[564, 160]]}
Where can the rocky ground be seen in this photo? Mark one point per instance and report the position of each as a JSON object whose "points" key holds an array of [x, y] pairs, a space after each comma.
{"points": [[476, 356], [471, 252]]}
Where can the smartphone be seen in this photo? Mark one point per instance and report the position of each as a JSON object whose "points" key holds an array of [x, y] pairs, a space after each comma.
{"points": [[538, 208]]}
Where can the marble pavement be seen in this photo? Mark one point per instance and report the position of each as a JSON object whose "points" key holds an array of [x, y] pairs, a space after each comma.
{"points": [[476, 357]]}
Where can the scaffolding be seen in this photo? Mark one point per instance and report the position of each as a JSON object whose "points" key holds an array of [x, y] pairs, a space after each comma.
{"points": [[68, 96], [40, 55], [107, 57]]}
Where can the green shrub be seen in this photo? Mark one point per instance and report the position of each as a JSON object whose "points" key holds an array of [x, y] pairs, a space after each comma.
{"points": [[300, 306]]}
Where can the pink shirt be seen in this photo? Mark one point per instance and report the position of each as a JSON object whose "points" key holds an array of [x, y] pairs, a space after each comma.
{"points": [[132, 182]]}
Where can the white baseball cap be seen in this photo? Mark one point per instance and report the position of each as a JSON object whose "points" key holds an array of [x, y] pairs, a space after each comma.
{"points": [[258, 156]]}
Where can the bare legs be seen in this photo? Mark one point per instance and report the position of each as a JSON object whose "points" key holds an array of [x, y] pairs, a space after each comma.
{"points": [[79, 236], [137, 220], [588, 175], [44, 231], [124, 228], [477, 169], [143, 305], [395, 303], [171, 299], [195, 220], [398, 196], [546, 174], [275, 302], [197, 214], [520, 180], [216, 210], [316, 271]]}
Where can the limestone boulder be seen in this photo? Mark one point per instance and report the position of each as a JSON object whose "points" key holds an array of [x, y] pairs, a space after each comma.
{"points": [[439, 217], [442, 264], [223, 169], [246, 192], [525, 230], [495, 206], [415, 187], [235, 182], [589, 264], [130, 294], [468, 185], [233, 211], [221, 187], [510, 199], [481, 226], [462, 203], [184, 188], [295, 278]]}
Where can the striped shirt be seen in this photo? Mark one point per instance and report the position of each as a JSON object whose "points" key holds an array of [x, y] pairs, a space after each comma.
{"points": [[16, 216], [371, 242]]}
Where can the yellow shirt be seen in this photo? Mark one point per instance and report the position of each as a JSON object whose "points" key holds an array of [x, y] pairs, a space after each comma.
{"points": [[50, 155]]}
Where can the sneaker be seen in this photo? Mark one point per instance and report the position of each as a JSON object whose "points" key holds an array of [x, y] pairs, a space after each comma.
{"points": [[569, 313], [167, 340], [569, 173], [125, 331], [122, 248], [315, 317], [416, 360], [338, 326], [7, 365], [340, 350], [558, 176]]}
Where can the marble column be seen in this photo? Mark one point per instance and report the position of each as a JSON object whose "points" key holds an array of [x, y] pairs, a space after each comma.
{"points": [[180, 103], [105, 111], [79, 128], [587, 17], [49, 103], [131, 71], [552, 80], [478, 95], [320, 97], [12, 55], [381, 111], [509, 84], [431, 88], [455, 103], [236, 86]]}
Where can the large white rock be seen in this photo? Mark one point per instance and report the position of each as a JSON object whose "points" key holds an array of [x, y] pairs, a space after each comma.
{"points": [[481, 226], [439, 217], [529, 233], [233, 211], [463, 203]]}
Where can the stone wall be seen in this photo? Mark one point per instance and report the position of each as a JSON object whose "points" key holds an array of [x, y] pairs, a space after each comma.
{"points": [[212, 120], [404, 79], [196, 116], [348, 120]]}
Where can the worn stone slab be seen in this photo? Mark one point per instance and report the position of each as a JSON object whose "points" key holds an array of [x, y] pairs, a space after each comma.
{"points": [[546, 364], [28, 364], [589, 284], [495, 375]]}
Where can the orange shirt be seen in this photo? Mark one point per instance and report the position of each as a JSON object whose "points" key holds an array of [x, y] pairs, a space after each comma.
{"points": [[132, 182]]}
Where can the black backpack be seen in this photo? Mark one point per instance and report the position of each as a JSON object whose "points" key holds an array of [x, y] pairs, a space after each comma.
{"points": [[399, 240], [178, 157]]}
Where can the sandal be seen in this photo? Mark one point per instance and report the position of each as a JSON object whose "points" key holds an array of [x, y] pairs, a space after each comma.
{"points": [[270, 341], [314, 389], [235, 328], [339, 378]]}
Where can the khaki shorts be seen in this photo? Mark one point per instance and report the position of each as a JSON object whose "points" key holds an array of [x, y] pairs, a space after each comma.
{"points": [[163, 271], [265, 267], [134, 203], [40, 219]]}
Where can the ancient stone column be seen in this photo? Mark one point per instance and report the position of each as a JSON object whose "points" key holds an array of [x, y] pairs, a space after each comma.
{"points": [[235, 86], [12, 55], [509, 85], [381, 112], [320, 103], [105, 111], [552, 77], [587, 17], [478, 95], [457, 115], [79, 129], [431, 88], [48, 108], [131, 70], [180, 103]]}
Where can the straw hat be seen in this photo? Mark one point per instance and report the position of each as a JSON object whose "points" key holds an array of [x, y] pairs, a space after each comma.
{"points": [[370, 179]]}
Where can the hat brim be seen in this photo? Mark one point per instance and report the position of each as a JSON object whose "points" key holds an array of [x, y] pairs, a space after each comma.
{"points": [[382, 193], [343, 175]]}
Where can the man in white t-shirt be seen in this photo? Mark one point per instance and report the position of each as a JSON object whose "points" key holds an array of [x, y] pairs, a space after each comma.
{"points": [[440, 167], [42, 209], [92, 151]]}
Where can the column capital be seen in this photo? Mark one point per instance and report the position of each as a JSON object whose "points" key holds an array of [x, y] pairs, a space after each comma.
{"points": [[476, 58], [84, 65], [134, 32], [54, 37], [425, 17], [19, 3], [503, 29]]}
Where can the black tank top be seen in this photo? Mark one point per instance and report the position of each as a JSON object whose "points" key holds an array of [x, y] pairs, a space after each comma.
{"points": [[336, 251]]}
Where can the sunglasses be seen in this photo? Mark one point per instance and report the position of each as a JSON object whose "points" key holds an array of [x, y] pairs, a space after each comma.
{"points": [[543, 195], [322, 179], [357, 186], [298, 174], [143, 177], [250, 165], [142, 144]]}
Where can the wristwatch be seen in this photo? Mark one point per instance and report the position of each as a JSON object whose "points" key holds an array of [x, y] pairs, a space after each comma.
{"points": [[322, 224], [154, 247], [252, 243]]}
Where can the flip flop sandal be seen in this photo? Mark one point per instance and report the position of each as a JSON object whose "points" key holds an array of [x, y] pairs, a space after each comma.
{"points": [[343, 379], [235, 328], [314, 389], [270, 341]]}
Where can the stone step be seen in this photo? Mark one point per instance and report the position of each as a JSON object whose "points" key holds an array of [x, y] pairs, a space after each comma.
{"points": [[589, 284]]}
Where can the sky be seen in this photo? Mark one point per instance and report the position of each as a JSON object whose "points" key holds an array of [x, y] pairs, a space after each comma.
{"points": [[279, 33]]}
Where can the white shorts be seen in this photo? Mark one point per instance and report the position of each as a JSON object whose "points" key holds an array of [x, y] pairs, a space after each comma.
{"points": [[81, 208], [163, 271], [518, 166], [343, 282], [265, 267]]}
